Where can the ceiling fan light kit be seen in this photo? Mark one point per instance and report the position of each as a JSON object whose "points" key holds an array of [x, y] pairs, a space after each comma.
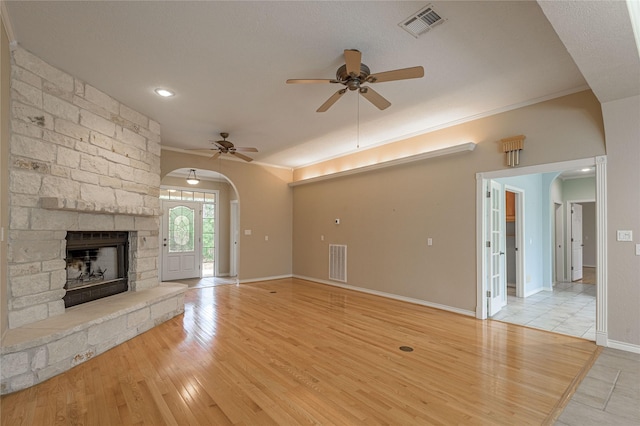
{"points": [[353, 74]]}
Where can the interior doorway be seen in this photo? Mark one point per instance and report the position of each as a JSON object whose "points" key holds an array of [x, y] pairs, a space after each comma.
{"points": [[514, 239], [543, 260]]}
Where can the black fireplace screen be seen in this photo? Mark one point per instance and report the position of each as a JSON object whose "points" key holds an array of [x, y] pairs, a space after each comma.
{"points": [[97, 265]]}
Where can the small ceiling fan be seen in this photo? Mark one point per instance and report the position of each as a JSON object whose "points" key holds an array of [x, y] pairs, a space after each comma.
{"points": [[226, 147], [353, 74]]}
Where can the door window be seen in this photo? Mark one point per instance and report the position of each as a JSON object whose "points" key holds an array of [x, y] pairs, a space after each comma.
{"points": [[181, 229]]}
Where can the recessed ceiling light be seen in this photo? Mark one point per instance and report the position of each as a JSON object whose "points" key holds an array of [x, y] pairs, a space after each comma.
{"points": [[164, 92]]}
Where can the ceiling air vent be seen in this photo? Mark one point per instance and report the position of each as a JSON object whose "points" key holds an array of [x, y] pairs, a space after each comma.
{"points": [[421, 21]]}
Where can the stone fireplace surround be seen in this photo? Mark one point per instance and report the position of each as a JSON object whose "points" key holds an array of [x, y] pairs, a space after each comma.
{"points": [[79, 161]]}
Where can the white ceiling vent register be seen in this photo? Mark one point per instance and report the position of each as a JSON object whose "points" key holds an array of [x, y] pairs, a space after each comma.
{"points": [[421, 21], [338, 262]]}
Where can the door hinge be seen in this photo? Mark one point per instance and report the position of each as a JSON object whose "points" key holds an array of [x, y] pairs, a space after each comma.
{"points": [[488, 194], [488, 293], [488, 245]]}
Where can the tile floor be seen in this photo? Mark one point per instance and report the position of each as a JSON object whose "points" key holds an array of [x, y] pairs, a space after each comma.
{"points": [[569, 309], [609, 394]]}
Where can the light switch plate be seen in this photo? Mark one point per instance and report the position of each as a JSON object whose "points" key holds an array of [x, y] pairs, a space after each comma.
{"points": [[637, 249], [247, 232], [625, 235]]}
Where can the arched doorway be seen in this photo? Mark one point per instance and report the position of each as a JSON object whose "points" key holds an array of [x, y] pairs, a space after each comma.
{"points": [[196, 229]]}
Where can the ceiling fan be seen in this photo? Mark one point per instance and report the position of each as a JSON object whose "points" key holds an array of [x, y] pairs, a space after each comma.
{"points": [[226, 147], [353, 74]]}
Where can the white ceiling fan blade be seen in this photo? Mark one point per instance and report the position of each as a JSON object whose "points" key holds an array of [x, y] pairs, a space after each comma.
{"points": [[216, 155], [246, 149], [310, 80], [332, 100], [375, 98], [244, 157], [352, 58], [401, 74]]}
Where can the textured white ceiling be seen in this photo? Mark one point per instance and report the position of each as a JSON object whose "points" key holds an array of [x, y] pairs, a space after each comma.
{"points": [[228, 62]]}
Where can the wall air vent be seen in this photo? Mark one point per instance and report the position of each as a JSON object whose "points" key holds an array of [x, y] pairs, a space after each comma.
{"points": [[421, 21], [338, 262]]}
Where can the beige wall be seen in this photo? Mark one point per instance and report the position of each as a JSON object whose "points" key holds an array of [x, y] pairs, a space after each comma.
{"points": [[226, 193], [5, 78], [265, 208], [387, 215], [622, 128]]}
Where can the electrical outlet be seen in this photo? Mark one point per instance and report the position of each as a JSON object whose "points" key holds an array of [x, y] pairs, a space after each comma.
{"points": [[637, 249], [429, 241]]}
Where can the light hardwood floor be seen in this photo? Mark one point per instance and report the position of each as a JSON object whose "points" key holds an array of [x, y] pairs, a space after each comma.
{"points": [[292, 352]]}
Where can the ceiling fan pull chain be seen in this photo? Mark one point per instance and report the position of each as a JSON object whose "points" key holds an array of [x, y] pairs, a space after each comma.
{"points": [[358, 124]]}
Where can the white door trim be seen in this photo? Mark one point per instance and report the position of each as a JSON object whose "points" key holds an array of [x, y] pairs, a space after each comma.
{"points": [[601, 229], [234, 240], [558, 243]]}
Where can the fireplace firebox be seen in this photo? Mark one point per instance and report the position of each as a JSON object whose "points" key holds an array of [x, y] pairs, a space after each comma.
{"points": [[97, 265]]}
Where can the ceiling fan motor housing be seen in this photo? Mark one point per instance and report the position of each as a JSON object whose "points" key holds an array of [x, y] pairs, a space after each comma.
{"points": [[352, 83]]}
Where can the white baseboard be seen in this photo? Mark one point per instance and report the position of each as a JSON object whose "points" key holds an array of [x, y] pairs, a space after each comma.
{"points": [[601, 339], [390, 296], [253, 280], [624, 346]]}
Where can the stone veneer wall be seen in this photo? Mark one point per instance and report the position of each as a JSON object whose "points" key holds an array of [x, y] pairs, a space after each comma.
{"points": [[82, 161]]}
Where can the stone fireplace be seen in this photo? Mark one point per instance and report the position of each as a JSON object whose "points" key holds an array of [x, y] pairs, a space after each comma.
{"points": [[79, 162], [81, 165]]}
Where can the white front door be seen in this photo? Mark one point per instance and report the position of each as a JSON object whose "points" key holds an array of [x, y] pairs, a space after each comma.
{"points": [[497, 283], [181, 242], [576, 242]]}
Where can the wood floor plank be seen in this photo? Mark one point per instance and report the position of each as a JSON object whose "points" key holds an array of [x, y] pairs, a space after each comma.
{"points": [[295, 352]]}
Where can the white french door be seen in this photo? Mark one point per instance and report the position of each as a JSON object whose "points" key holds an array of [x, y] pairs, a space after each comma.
{"points": [[497, 296], [181, 245]]}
